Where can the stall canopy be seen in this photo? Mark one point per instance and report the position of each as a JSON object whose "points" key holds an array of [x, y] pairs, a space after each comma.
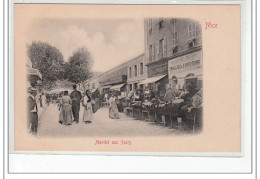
{"points": [[117, 87], [105, 87], [152, 80]]}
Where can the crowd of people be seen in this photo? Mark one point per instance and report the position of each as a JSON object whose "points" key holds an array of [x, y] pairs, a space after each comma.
{"points": [[70, 104], [184, 104]]}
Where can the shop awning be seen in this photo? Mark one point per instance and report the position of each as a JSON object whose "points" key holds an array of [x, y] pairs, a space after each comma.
{"points": [[104, 87], [152, 80], [33, 71], [117, 87]]}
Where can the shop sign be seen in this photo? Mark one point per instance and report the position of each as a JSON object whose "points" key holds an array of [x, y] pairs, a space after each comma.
{"points": [[157, 70], [186, 64]]}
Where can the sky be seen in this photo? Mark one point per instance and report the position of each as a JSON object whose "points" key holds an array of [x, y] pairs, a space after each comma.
{"points": [[110, 42]]}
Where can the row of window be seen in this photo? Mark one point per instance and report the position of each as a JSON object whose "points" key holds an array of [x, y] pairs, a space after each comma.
{"points": [[135, 70], [114, 75], [162, 49], [191, 28]]}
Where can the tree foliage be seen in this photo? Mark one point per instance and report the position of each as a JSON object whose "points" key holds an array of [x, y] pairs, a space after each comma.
{"points": [[78, 67], [48, 60]]}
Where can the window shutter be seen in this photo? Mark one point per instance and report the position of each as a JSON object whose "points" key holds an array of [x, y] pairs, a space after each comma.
{"points": [[189, 31], [154, 52], [158, 49], [165, 47]]}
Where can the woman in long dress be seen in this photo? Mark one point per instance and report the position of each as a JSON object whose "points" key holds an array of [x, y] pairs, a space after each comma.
{"points": [[43, 101], [88, 112], [113, 110], [66, 112]]}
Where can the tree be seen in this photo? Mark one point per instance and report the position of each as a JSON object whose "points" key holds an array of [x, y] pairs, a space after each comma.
{"points": [[48, 60], [78, 67]]}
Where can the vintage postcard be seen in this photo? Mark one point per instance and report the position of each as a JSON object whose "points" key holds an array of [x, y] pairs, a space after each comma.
{"points": [[127, 78]]}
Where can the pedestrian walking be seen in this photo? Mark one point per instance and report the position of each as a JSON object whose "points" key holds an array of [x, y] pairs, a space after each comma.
{"points": [[32, 110], [75, 97], [113, 110], [66, 112], [88, 111], [43, 100], [106, 98]]}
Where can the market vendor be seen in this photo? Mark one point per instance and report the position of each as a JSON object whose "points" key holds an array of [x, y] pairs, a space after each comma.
{"points": [[188, 93], [137, 95], [148, 93], [169, 95]]}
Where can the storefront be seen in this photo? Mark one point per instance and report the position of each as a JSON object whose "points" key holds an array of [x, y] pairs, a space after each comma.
{"points": [[157, 79], [185, 69], [115, 82], [121, 89]]}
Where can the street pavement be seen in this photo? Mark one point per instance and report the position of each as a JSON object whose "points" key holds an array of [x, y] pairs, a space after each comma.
{"points": [[101, 126]]}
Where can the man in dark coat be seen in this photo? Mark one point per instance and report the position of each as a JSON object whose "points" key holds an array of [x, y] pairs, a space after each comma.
{"points": [[32, 110], [75, 97]]}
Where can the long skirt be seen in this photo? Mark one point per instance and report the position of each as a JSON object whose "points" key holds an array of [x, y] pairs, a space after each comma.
{"points": [[113, 111], [88, 113], [65, 115], [33, 122]]}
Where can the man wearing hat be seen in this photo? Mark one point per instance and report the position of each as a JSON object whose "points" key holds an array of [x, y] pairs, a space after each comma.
{"points": [[32, 110]]}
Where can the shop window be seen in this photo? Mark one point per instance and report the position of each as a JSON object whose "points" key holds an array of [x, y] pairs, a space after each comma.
{"points": [[192, 80]]}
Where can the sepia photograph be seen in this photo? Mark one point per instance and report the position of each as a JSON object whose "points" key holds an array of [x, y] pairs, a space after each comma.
{"points": [[126, 78], [151, 86], [120, 87]]}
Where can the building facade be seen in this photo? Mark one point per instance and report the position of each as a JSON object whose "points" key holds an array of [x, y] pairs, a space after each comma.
{"points": [[165, 40], [115, 79], [93, 83], [136, 72]]}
